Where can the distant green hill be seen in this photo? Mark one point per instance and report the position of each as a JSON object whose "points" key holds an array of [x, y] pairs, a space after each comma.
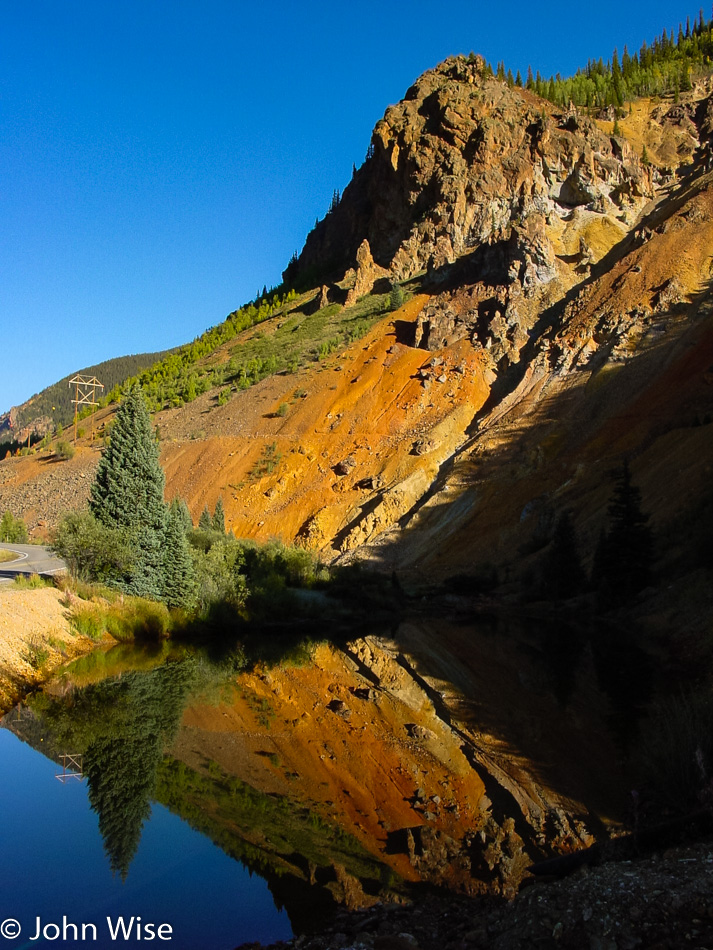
{"points": [[55, 401]]}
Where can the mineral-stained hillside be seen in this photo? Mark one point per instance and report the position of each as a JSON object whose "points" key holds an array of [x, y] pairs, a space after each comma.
{"points": [[558, 320]]}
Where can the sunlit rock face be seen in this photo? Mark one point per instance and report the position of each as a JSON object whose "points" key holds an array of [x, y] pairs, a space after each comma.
{"points": [[462, 161]]}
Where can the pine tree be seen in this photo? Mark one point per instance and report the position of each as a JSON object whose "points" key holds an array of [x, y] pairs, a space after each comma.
{"points": [[397, 296], [625, 554], [128, 492], [205, 522], [181, 511], [218, 520], [178, 574]]}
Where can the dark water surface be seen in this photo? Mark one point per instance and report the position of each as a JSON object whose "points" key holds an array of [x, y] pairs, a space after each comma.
{"points": [[237, 797], [58, 863], [54, 866]]}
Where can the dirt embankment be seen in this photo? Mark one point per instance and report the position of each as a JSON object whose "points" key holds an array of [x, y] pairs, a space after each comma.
{"points": [[36, 638]]}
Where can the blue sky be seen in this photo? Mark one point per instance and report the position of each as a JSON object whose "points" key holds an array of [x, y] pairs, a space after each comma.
{"points": [[161, 160]]}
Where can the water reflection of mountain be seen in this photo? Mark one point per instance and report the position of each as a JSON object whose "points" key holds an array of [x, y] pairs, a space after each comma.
{"points": [[310, 864], [445, 754]]}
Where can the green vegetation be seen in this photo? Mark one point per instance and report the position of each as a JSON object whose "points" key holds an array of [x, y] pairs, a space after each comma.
{"points": [[175, 379], [178, 575], [667, 66], [92, 551], [121, 727], [397, 296], [102, 610], [36, 655], [31, 582], [64, 450], [232, 813], [13, 530], [301, 338], [267, 462], [127, 495]]}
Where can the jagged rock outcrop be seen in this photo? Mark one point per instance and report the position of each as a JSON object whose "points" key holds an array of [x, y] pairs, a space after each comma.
{"points": [[463, 160], [367, 274]]}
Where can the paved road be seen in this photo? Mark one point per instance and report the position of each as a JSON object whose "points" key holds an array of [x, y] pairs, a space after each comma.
{"points": [[34, 559]]}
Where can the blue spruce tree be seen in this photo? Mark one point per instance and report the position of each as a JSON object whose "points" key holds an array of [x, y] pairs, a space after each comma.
{"points": [[128, 493]]}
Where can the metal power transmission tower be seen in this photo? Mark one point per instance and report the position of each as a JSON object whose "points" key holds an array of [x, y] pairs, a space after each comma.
{"points": [[85, 395]]}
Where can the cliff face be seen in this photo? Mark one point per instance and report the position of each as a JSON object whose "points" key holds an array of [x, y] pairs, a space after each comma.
{"points": [[460, 161]]}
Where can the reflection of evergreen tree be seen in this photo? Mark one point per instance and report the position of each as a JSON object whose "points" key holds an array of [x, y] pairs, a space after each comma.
{"points": [[562, 648], [122, 726], [563, 572], [624, 673], [121, 776]]}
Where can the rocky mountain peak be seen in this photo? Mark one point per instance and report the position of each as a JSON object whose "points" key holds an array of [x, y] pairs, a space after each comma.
{"points": [[464, 161]]}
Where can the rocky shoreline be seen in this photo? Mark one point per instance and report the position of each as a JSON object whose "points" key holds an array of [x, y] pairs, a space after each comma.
{"points": [[660, 902]]}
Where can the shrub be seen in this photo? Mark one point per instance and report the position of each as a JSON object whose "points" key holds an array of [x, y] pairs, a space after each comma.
{"points": [[397, 296], [91, 550], [136, 619], [13, 530], [64, 451], [88, 621], [31, 582], [35, 655]]}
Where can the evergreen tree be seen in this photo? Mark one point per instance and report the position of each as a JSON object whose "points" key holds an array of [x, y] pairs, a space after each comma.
{"points": [[128, 492], [205, 522], [625, 554], [397, 296], [182, 512], [178, 588], [218, 520]]}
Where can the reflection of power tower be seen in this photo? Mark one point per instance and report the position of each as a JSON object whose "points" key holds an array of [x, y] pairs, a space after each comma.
{"points": [[71, 767], [85, 395], [18, 714]]}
